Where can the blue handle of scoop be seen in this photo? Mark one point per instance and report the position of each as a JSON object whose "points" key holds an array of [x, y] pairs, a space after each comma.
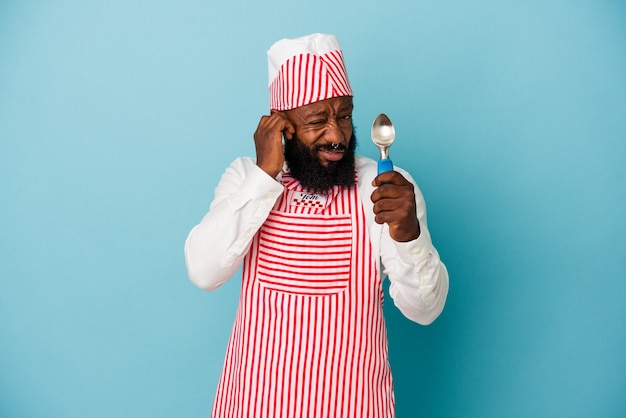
{"points": [[385, 165]]}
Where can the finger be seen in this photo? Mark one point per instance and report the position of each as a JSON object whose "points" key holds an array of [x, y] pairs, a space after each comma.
{"points": [[289, 131], [388, 218], [385, 205], [389, 177], [283, 124], [402, 206], [392, 191]]}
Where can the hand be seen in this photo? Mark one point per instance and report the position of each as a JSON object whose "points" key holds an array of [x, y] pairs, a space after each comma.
{"points": [[394, 204], [268, 140]]}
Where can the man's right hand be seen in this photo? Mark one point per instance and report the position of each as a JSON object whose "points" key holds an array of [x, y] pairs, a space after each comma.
{"points": [[268, 140]]}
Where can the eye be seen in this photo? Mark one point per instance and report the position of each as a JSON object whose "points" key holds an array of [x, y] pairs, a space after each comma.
{"points": [[346, 117], [317, 122]]}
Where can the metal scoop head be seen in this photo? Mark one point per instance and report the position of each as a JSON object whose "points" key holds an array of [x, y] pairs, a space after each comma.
{"points": [[383, 135]]}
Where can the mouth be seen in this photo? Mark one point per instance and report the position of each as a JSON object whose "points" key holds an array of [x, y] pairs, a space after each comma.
{"points": [[331, 152]]}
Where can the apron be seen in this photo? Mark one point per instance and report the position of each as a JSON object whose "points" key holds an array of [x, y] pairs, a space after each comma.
{"points": [[309, 338]]}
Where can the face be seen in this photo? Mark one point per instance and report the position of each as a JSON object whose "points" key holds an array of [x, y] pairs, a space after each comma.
{"points": [[321, 153], [320, 125]]}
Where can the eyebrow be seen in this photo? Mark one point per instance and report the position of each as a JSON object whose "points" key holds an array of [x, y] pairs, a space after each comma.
{"points": [[323, 112], [313, 114]]}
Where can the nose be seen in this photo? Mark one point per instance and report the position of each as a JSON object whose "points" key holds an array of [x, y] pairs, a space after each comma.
{"points": [[334, 134]]}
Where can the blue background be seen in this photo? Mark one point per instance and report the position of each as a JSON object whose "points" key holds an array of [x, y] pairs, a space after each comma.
{"points": [[117, 119]]}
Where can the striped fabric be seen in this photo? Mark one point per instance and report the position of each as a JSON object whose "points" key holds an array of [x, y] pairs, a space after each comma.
{"points": [[305, 254], [308, 78], [309, 338]]}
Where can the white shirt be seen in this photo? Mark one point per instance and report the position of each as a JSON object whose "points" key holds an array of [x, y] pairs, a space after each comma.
{"points": [[244, 197]]}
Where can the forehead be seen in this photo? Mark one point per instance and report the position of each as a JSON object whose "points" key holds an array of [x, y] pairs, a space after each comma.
{"points": [[328, 106]]}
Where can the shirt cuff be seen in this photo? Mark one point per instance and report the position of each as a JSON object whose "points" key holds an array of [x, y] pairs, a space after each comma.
{"points": [[412, 252], [260, 186]]}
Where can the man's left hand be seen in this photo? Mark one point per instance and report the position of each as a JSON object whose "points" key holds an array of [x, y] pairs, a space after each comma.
{"points": [[394, 204]]}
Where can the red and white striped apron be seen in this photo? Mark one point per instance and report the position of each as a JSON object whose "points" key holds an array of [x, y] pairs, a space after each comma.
{"points": [[309, 338]]}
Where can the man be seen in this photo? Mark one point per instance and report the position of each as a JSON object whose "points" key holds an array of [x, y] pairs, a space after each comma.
{"points": [[315, 229]]}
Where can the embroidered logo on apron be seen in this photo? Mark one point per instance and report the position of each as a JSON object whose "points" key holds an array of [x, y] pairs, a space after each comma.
{"points": [[299, 198], [305, 254]]}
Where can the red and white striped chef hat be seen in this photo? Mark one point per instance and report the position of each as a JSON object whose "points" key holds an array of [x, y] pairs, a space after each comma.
{"points": [[306, 70]]}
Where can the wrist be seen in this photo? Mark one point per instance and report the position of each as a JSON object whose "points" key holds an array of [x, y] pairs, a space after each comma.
{"points": [[406, 234]]}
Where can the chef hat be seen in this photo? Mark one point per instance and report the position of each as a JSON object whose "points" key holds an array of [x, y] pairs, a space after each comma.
{"points": [[306, 70]]}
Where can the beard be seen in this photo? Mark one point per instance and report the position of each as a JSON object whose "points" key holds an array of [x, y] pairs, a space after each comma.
{"points": [[305, 166]]}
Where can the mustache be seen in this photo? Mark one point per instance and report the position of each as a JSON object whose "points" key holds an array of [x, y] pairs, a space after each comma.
{"points": [[330, 147]]}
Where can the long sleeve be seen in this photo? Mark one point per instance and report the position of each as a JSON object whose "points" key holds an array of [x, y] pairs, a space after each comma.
{"points": [[418, 279], [215, 248]]}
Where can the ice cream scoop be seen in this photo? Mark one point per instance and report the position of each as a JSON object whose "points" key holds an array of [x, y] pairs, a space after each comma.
{"points": [[383, 135]]}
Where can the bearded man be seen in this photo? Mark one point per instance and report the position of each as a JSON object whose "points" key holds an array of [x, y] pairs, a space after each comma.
{"points": [[316, 230]]}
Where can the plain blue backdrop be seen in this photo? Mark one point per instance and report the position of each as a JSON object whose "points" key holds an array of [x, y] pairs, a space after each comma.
{"points": [[117, 119]]}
